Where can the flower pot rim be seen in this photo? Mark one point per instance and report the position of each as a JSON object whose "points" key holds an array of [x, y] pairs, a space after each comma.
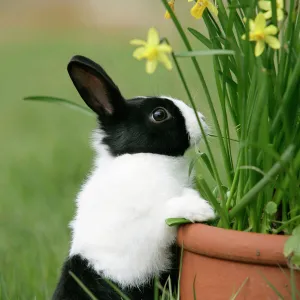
{"points": [[227, 244]]}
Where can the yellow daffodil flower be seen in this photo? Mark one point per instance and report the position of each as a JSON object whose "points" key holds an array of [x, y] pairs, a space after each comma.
{"points": [[172, 5], [266, 6], [198, 9], [262, 34], [153, 51]]}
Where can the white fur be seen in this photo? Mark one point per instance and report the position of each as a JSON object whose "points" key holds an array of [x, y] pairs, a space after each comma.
{"points": [[191, 122], [121, 210]]}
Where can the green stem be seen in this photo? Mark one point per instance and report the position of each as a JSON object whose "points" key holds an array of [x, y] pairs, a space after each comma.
{"points": [[285, 182], [214, 115], [208, 19], [279, 229], [222, 212], [294, 80], [286, 157], [201, 127], [274, 12], [234, 184]]}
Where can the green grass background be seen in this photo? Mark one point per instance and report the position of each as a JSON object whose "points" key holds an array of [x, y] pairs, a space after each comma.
{"points": [[45, 151]]}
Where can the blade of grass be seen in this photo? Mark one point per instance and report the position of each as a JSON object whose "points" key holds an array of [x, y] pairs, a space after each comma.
{"points": [[285, 158], [163, 290], [283, 226], [170, 287], [80, 283], [220, 210], [61, 101], [208, 97], [116, 289], [213, 30], [206, 161], [180, 271], [293, 284], [234, 140], [292, 85], [239, 290], [203, 39], [184, 82], [194, 290], [204, 53], [272, 286], [274, 11], [221, 88], [156, 289]]}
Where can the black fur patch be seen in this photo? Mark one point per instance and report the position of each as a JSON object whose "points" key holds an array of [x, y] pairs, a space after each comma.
{"points": [[134, 132], [68, 288]]}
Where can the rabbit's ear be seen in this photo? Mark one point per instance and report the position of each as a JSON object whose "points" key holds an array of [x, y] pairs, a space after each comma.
{"points": [[95, 86]]}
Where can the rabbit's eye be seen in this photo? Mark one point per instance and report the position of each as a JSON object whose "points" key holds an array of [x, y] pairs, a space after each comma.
{"points": [[159, 115]]}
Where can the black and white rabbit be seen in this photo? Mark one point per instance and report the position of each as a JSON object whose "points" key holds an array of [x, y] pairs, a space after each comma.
{"points": [[140, 179]]}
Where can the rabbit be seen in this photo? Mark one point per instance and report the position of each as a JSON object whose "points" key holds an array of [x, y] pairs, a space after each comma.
{"points": [[139, 179]]}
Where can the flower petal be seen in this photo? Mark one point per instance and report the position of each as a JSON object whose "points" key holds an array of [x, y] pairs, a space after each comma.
{"points": [[259, 48], [151, 66], [164, 48], [137, 42], [264, 5], [273, 42], [280, 3], [167, 15], [139, 53], [260, 22], [190, 0], [252, 37], [271, 30], [197, 10], [268, 14], [280, 14], [251, 25], [172, 5], [213, 9], [153, 37], [164, 59]]}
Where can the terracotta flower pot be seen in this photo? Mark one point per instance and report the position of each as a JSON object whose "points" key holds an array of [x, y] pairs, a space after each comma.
{"points": [[217, 262]]}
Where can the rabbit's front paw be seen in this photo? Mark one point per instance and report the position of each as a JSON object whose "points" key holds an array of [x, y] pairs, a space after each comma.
{"points": [[190, 207], [199, 211]]}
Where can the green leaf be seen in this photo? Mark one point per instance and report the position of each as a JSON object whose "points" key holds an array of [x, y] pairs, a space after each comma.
{"points": [[207, 163], [228, 80], [177, 221], [216, 191], [271, 208], [221, 210], [61, 101], [296, 231], [192, 164], [225, 138], [205, 53], [203, 39], [260, 185], [292, 249], [295, 260]]}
